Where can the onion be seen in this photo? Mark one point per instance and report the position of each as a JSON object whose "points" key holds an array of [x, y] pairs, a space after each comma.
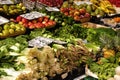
{"points": [[111, 79], [117, 70], [117, 77]]}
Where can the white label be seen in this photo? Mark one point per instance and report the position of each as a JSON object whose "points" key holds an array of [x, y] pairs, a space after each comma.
{"points": [[41, 42], [82, 2], [32, 15], [3, 20], [29, 4], [52, 9], [6, 2]]}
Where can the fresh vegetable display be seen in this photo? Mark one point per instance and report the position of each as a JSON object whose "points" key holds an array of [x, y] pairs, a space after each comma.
{"points": [[59, 40], [62, 63]]}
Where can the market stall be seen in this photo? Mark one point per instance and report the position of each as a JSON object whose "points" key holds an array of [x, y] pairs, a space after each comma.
{"points": [[59, 40]]}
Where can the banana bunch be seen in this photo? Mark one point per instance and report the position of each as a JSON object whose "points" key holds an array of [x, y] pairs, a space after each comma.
{"points": [[104, 5], [107, 7]]}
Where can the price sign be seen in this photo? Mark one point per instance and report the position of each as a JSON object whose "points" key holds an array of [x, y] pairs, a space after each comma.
{"points": [[3, 20], [82, 2], [6, 2], [29, 4], [52, 9], [32, 15], [39, 5], [41, 42]]}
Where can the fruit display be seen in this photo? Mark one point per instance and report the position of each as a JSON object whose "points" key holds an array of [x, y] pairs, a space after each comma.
{"points": [[13, 9], [96, 8], [78, 14], [92, 9], [46, 44], [105, 5], [42, 22], [11, 29], [52, 3], [58, 17]]}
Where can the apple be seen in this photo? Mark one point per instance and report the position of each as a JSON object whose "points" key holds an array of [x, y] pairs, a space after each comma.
{"points": [[20, 22], [82, 16], [39, 25], [6, 27], [34, 21], [5, 32], [87, 15], [31, 27], [24, 20], [11, 31], [46, 19], [50, 23], [46, 25], [77, 18], [42, 25], [82, 11], [71, 12], [71, 8], [30, 23], [25, 25], [76, 13], [19, 18], [62, 10], [1, 34], [40, 19], [23, 29], [43, 22], [17, 27], [66, 13], [12, 26]]}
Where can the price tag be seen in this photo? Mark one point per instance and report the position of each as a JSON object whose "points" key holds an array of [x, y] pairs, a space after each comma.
{"points": [[3, 20], [39, 5], [6, 2], [52, 9], [29, 4], [32, 15], [82, 2], [41, 42]]}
